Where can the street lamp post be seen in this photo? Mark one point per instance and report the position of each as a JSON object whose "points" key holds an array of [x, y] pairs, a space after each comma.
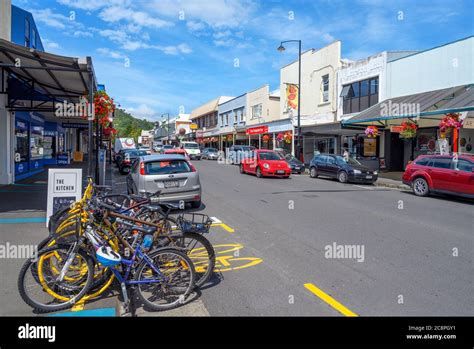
{"points": [[167, 125], [281, 48]]}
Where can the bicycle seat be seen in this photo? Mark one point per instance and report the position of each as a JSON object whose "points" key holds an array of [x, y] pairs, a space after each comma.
{"points": [[143, 229]]}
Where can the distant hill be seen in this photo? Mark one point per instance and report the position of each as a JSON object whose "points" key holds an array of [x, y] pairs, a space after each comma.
{"points": [[129, 126]]}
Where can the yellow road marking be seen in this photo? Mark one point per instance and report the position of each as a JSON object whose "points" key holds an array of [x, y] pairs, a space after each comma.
{"points": [[78, 306], [224, 226], [329, 300]]}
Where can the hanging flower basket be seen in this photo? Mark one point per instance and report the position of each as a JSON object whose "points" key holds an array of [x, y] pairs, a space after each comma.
{"points": [[230, 138], [371, 131], [288, 137], [109, 132], [266, 138], [280, 137], [104, 106], [450, 121], [408, 130]]}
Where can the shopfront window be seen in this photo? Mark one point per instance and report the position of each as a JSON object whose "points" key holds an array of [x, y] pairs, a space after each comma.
{"points": [[21, 147], [36, 143]]}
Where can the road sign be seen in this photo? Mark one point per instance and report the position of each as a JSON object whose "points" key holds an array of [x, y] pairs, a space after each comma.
{"points": [[64, 188]]}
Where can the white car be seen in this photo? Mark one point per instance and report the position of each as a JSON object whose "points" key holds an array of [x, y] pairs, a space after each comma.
{"points": [[192, 148]]}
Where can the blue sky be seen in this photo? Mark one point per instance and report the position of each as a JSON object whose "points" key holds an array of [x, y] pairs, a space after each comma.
{"points": [[157, 56]]}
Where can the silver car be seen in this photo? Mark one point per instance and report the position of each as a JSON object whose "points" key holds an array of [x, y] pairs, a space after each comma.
{"points": [[173, 174]]}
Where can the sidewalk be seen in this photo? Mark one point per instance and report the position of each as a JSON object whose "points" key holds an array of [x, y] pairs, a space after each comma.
{"points": [[391, 180], [23, 222]]}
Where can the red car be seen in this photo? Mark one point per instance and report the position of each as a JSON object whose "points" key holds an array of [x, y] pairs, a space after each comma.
{"points": [[444, 174], [265, 163], [177, 151]]}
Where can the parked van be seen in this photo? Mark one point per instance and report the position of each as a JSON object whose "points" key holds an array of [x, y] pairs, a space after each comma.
{"points": [[123, 143], [192, 148]]}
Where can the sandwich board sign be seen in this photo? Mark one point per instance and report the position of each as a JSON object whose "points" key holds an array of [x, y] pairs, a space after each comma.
{"points": [[64, 188]]}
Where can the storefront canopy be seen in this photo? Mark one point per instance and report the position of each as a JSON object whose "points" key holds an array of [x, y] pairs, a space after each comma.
{"points": [[427, 108], [43, 79]]}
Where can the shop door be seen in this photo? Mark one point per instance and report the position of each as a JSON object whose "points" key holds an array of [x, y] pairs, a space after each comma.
{"points": [[396, 152]]}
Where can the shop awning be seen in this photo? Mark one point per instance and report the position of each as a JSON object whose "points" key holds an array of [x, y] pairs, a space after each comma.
{"points": [[427, 108], [44, 79]]}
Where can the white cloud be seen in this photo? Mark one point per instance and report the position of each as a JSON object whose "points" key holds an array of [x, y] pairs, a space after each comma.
{"points": [[117, 36], [52, 19], [82, 34], [143, 111], [104, 51], [222, 34], [195, 26], [143, 19], [92, 5], [50, 45], [215, 13], [132, 45]]}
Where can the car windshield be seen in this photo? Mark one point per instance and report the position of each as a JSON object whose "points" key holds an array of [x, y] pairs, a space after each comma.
{"points": [[349, 160], [191, 145], [288, 157], [212, 150], [136, 153], [269, 156], [165, 167], [248, 148], [168, 147]]}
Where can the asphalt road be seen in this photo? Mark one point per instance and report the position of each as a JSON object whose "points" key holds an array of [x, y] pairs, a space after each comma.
{"points": [[281, 230], [417, 252]]}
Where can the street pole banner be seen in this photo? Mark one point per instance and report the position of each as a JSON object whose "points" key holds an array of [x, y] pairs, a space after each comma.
{"points": [[291, 97], [64, 188]]}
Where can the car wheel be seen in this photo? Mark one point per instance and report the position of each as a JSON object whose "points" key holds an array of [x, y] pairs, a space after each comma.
{"points": [[420, 187], [196, 204], [241, 167], [313, 172], [259, 173], [342, 177]]}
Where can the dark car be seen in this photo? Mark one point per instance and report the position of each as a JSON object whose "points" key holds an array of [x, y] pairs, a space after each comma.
{"points": [[442, 174], [343, 169], [210, 153], [119, 156], [296, 165], [127, 158], [239, 152]]}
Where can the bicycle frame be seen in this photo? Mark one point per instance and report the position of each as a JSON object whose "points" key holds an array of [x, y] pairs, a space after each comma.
{"points": [[124, 278]]}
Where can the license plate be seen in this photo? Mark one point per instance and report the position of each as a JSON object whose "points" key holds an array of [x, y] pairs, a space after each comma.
{"points": [[171, 184], [280, 172], [368, 177]]}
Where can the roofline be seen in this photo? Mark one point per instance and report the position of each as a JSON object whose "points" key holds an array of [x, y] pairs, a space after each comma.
{"points": [[434, 48], [231, 99], [311, 49]]}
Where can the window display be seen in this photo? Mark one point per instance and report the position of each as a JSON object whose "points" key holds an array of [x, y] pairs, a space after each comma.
{"points": [[21, 147], [36, 143]]}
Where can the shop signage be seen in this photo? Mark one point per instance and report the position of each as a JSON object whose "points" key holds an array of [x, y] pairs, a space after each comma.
{"points": [[63, 159], [193, 126], [64, 188], [78, 156], [468, 123], [396, 129], [73, 125], [256, 130]]}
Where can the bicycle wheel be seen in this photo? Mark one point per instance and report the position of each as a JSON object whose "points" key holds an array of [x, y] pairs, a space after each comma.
{"points": [[198, 249], [171, 285], [41, 286]]}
